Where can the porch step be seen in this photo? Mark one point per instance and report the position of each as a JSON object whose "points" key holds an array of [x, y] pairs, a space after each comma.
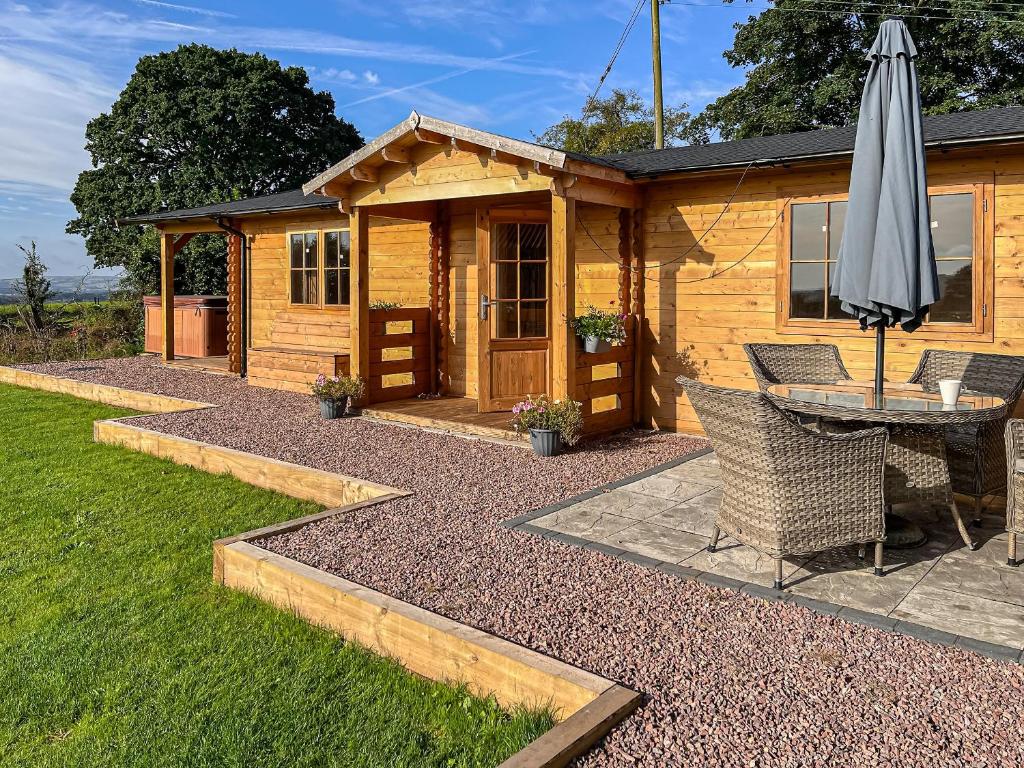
{"points": [[448, 414]]}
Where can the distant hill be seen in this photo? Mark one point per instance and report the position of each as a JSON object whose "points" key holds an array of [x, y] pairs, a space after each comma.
{"points": [[67, 287]]}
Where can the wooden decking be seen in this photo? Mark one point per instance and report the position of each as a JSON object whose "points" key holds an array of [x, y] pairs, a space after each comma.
{"points": [[215, 364], [451, 414]]}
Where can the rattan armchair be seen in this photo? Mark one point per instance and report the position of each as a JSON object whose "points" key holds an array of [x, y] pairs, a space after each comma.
{"points": [[789, 490], [976, 455], [795, 364]]}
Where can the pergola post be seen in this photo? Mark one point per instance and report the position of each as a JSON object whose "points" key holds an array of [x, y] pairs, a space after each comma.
{"points": [[563, 296], [167, 250], [234, 304], [638, 314], [359, 294]]}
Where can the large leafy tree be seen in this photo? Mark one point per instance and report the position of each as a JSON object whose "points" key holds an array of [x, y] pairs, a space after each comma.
{"points": [[197, 126], [622, 122], [805, 62]]}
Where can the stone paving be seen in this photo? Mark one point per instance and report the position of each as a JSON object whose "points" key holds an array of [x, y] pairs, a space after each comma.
{"points": [[669, 516]]}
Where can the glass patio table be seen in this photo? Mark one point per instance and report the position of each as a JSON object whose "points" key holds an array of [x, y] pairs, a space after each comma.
{"points": [[916, 468]]}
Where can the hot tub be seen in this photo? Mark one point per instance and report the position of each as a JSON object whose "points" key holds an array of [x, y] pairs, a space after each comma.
{"points": [[200, 325]]}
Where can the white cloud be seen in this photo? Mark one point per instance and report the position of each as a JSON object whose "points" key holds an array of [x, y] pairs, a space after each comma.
{"points": [[371, 77], [50, 99], [187, 9]]}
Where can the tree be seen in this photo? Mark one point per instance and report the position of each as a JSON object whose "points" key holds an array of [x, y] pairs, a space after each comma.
{"points": [[806, 66], [197, 126], [33, 290], [623, 122]]}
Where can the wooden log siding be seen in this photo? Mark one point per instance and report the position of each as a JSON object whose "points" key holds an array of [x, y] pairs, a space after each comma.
{"points": [[607, 399], [404, 353], [234, 304]]}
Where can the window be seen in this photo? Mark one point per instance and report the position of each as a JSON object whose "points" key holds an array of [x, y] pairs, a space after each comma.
{"points": [[520, 299], [813, 233], [304, 268], [953, 235], [817, 231], [336, 266]]}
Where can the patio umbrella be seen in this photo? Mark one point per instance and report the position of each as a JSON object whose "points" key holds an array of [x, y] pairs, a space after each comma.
{"points": [[886, 272]]}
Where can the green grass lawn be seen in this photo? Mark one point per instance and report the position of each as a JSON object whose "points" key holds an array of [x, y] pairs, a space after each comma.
{"points": [[116, 648]]}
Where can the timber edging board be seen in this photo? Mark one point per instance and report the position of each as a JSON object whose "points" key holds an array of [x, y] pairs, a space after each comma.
{"points": [[326, 488], [295, 480], [586, 706], [145, 402]]}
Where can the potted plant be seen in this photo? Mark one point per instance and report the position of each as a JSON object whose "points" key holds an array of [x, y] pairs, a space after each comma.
{"points": [[598, 330], [551, 423], [337, 394]]}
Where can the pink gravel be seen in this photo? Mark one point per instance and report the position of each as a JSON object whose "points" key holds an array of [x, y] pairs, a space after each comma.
{"points": [[729, 680]]}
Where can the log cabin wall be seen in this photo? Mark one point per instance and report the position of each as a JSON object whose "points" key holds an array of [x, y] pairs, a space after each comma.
{"points": [[290, 345], [697, 326]]}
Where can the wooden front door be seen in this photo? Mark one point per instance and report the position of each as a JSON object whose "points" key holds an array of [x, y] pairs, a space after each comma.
{"points": [[513, 260]]}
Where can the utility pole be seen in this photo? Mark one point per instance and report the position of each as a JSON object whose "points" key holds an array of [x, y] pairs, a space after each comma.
{"points": [[659, 107]]}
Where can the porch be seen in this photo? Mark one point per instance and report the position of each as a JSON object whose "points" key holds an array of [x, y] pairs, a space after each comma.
{"points": [[452, 264]]}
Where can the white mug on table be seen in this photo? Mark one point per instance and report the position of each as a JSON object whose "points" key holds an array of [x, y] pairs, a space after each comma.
{"points": [[950, 389]]}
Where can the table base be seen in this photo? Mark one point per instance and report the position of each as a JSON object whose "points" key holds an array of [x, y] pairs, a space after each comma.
{"points": [[901, 533]]}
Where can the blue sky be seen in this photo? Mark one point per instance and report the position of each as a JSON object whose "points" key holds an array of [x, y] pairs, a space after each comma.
{"points": [[509, 66]]}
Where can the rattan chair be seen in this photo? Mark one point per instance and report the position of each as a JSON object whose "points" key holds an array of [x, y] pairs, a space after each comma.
{"points": [[789, 490], [976, 455], [1014, 487], [795, 364]]}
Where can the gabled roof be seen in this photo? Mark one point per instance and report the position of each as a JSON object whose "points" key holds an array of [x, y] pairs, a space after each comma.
{"points": [[979, 126], [1001, 124], [416, 122], [281, 202]]}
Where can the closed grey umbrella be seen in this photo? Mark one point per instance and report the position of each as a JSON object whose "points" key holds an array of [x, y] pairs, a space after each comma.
{"points": [[886, 272]]}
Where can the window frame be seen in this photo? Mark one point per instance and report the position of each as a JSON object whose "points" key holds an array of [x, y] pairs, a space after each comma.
{"points": [[982, 327], [323, 270], [319, 231], [319, 266]]}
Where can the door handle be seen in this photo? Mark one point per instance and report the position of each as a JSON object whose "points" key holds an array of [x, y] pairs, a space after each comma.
{"points": [[484, 306]]}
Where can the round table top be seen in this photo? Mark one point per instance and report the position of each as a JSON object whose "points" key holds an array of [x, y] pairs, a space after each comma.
{"points": [[901, 403]]}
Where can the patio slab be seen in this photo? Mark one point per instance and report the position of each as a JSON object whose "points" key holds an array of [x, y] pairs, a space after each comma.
{"points": [[941, 585]]}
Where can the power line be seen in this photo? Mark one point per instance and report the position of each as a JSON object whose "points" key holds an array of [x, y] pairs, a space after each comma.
{"points": [[630, 23], [1004, 15]]}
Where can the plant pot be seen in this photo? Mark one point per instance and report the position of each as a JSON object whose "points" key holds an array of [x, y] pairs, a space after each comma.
{"points": [[545, 442], [592, 344], [333, 409]]}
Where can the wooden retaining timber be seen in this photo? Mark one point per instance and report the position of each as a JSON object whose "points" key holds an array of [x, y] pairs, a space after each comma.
{"points": [[293, 480], [586, 706], [101, 393]]}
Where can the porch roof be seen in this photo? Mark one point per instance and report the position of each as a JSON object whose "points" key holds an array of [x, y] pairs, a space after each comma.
{"points": [[419, 127], [281, 202]]}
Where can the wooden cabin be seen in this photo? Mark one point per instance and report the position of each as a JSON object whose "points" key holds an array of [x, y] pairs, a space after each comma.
{"points": [[491, 245]]}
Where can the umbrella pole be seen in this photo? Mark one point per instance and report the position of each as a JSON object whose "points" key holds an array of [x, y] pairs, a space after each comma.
{"points": [[879, 363]]}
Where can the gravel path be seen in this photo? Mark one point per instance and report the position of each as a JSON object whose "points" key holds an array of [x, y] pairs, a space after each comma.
{"points": [[730, 680]]}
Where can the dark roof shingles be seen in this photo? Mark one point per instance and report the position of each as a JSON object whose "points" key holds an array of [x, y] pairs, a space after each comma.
{"points": [[292, 200], [957, 126]]}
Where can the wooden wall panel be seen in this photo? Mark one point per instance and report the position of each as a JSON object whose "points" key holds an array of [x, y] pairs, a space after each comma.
{"points": [[399, 254], [698, 325]]}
